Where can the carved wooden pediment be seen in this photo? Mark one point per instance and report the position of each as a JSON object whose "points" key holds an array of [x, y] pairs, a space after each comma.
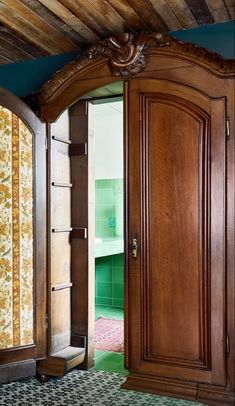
{"points": [[127, 54]]}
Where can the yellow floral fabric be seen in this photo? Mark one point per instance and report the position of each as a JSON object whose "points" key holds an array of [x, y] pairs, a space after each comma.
{"points": [[16, 232]]}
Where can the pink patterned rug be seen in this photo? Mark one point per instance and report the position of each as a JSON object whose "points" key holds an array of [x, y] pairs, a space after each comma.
{"points": [[109, 335]]}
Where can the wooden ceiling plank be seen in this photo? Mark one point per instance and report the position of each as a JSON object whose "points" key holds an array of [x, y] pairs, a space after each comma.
{"points": [[19, 53], [87, 18], [53, 20], [127, 12], [230, 5], [106, 15], [27, 30], [69, 18], [218, 10], [167, 15], [23, 11], [8, 53], [182, 12], [20, 43], [150, 16], [200, 11], [4, 61]]}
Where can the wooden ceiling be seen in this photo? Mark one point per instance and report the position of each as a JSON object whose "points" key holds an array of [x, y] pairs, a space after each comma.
{"points": [[33, 28]]}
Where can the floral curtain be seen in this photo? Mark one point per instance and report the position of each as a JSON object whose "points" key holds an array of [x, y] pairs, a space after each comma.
{"points": [[16, 231]]}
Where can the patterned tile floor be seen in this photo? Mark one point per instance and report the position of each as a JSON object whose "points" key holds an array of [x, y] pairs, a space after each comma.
{"points": [[84, 388]]}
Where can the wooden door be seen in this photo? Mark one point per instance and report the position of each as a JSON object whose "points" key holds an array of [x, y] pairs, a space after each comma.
{"points": [[175, 165], [59, 258]]}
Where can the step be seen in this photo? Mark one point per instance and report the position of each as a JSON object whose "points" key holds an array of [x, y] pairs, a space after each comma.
{"points": [[61, 362]]}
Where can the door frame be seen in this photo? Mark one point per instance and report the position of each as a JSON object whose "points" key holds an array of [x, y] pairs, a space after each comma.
{"points": [[151, 56], [38, 349]]}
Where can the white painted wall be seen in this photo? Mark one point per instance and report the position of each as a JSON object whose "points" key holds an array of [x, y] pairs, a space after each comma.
{"points": [[108, 132]]}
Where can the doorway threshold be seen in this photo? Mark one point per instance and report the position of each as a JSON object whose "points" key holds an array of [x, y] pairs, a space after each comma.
{"points": [[110, 362]]}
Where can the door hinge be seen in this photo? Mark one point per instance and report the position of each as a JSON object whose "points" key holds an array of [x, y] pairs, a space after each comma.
{"points": [[227, 345], [227, 129], [46, 321]]}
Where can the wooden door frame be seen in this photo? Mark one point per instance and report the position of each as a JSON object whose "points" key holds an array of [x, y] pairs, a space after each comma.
{"points": [[161, 57], [38, 349]]}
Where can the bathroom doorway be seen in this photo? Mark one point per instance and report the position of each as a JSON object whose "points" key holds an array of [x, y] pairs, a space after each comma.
{"points": [[107, 124]]}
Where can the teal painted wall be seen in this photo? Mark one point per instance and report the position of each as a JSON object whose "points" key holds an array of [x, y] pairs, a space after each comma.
{"points": [[218, 38], [27, 77]]}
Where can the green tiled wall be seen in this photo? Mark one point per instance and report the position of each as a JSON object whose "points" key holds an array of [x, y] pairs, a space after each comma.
{"points": [[109, 208], [109, 280]]}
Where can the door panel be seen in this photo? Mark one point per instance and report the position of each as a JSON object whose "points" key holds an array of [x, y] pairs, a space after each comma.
{"points": [[175, 231], [59, 255], [175, 283]]}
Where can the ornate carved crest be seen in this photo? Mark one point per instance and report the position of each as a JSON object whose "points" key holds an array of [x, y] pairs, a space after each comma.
{"points": [[126, 52]]}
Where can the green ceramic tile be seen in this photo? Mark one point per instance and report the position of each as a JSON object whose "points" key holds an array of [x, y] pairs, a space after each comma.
{"points": [[118, 260], [110, 361], [104, 196], [118, 303], [104, 261], [104, 183], [103, 301], [118, 275], [103, 212], [118, 291], [103, 274], [104, 289], [109, 312]]}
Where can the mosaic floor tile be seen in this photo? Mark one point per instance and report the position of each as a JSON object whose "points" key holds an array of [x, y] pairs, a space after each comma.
{"points": [[83, 388]]}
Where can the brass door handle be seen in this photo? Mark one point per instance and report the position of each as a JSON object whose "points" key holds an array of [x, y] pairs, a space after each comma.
{"points": [[134, 248]]}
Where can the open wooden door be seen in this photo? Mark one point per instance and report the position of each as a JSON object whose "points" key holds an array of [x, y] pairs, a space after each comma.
{"points": [[22, 239], [175, 292], [69, 234]]}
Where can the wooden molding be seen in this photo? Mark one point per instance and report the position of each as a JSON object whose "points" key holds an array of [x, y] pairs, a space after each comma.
{"points": [[126, 56]]}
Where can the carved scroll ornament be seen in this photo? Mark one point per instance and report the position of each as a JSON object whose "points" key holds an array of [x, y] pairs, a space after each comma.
{"points": [[126, 52]]}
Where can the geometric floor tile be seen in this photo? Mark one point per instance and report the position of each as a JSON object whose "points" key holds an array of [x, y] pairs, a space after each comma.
{"points": [[84, 388]]}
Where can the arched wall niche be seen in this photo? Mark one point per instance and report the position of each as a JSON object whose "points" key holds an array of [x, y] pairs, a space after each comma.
{"points": [[123, 57], [23, 220], [18, 107]]}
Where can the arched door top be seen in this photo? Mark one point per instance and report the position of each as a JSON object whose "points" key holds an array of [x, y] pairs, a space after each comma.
{"points": [[122, 57]]}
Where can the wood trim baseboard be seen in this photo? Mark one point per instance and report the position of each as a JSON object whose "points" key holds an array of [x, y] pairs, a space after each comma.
{"points": [[17, 370]]}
